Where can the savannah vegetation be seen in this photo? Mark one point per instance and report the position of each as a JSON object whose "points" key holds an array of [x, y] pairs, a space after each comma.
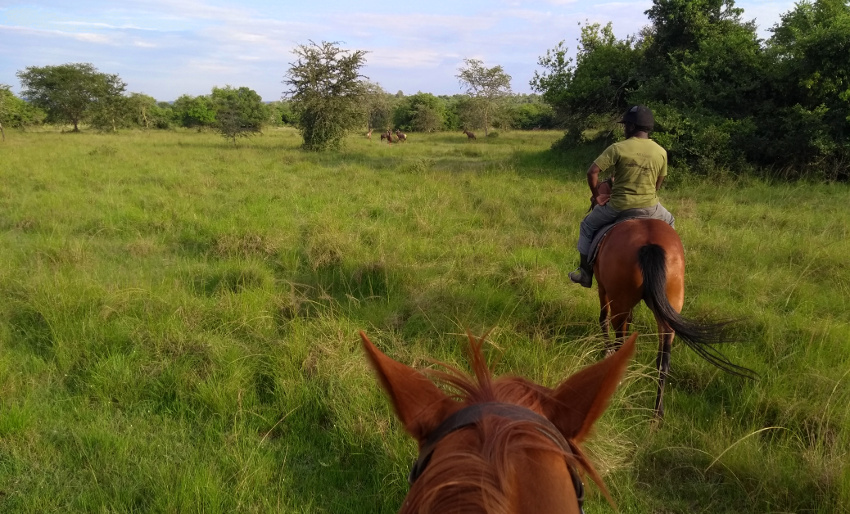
{"points": [[179, 320], [725, 100], [179, 313]]}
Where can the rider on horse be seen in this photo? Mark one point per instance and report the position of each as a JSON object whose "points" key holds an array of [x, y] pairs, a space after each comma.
{"points": [[639, 166]]}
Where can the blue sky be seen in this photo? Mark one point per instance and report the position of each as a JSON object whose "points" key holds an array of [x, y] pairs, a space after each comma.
{"points": [[168, 48]]}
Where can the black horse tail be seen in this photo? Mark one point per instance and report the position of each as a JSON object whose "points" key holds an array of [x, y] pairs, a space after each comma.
{"points": [[700, 337]]}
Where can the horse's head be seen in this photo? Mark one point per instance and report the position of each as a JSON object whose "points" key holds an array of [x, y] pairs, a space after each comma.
{"points": [[499, 445]]}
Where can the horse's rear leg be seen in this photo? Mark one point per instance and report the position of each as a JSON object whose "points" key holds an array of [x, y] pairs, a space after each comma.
{"points": [[620, 320], [604, 312], [662, 362]]}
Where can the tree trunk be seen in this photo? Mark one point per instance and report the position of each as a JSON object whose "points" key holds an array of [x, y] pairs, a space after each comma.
{"points": [[2, 133]]}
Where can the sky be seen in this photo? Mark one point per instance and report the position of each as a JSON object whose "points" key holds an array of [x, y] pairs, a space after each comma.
{"points": [[166, 49]]}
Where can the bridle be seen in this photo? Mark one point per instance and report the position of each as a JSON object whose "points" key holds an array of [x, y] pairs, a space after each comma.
{"points": [[474, 413]]}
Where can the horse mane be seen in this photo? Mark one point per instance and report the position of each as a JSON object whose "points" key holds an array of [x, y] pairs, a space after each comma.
{"points": [[479, 475]]}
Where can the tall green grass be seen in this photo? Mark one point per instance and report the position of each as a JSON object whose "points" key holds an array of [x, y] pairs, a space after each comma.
{"points": [[178, 322]]}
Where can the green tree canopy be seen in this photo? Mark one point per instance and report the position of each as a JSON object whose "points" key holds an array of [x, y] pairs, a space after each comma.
{"points": [[596, 85], [486, 85], [16, 113], [238, 112], [327, 93], [379, 106], [422, 112], [723, 98], [194, 111], [69, 92]]}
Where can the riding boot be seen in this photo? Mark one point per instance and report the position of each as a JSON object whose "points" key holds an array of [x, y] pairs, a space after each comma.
{"points": [[583, 274]]}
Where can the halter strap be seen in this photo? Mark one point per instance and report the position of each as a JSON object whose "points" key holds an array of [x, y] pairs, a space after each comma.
{"points": [[474, 413]]}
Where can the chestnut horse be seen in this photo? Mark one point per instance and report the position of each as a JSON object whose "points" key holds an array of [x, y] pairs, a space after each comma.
{"points": [[500, 445], [643, 259]]}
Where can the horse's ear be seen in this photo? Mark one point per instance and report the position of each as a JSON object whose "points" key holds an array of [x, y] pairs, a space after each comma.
{"points": [[576, 404], [420, 405]]}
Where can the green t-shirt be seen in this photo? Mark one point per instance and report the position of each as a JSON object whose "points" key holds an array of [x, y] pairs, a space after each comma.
{"points": [[637, 163]]}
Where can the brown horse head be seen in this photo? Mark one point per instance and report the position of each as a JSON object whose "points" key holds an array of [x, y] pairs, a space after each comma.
{"points": [[500, 445]]}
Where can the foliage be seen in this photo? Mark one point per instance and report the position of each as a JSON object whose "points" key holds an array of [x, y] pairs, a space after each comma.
{"points": [[72, 92], [811, 77], [143, 111], [724, 99], [596, 85], [529, 116], [16, 113], [194, 111], [326, 92], [238, 112], [281, 113], [487, 86], [379, 106], [422, 112]]}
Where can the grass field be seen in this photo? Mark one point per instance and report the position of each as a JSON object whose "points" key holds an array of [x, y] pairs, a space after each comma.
{"points": [[179, 318]]}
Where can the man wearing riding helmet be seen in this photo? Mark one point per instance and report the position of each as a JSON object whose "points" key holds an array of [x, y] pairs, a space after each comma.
{"points": [[638, 166]]}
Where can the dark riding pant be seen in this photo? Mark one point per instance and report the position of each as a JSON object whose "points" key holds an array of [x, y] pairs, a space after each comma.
{"points": [[602, 215]]}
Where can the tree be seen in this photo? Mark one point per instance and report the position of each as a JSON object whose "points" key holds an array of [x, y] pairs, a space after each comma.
{"points": [[16, 113], [811, 79], [5, 92], [595, 87], [422, 112], [471, 113], [281, 113], [69, 92], [487, 85], [238, 112], [378, 105], [143, 111], [194, 111], [702, 55], [111, 109], [327, 93]]}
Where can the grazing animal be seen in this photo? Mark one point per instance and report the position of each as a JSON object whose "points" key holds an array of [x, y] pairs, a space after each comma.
{"points": [[643, 259], [401, 136], [383, 135], [501, 445], [369, 134], [469, 135]]}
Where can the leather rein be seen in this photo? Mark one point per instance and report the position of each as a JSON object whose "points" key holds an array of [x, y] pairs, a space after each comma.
{"points": [[472, 414]]}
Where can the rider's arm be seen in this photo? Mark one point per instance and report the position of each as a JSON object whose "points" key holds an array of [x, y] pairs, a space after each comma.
{"points": [[658, 182], [593, 179]]}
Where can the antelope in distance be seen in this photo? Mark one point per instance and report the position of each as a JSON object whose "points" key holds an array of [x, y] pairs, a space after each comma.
{"points": [[401, 136], [469, 135]]}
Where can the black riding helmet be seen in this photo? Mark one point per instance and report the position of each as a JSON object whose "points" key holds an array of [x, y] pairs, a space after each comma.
{"points": [[640, 116]]}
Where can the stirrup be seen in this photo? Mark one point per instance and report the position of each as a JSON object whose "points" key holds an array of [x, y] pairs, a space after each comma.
{"points": [[579, 276]]}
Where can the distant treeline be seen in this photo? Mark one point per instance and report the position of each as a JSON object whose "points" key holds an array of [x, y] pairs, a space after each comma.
{"points": [[725, 100], [381, 111]]}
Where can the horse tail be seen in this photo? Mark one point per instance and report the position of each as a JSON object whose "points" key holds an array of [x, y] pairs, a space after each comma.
{"points": [[700, 337]]}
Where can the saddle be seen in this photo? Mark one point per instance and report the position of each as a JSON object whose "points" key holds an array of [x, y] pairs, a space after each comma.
{"points": [[604, 190]]}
